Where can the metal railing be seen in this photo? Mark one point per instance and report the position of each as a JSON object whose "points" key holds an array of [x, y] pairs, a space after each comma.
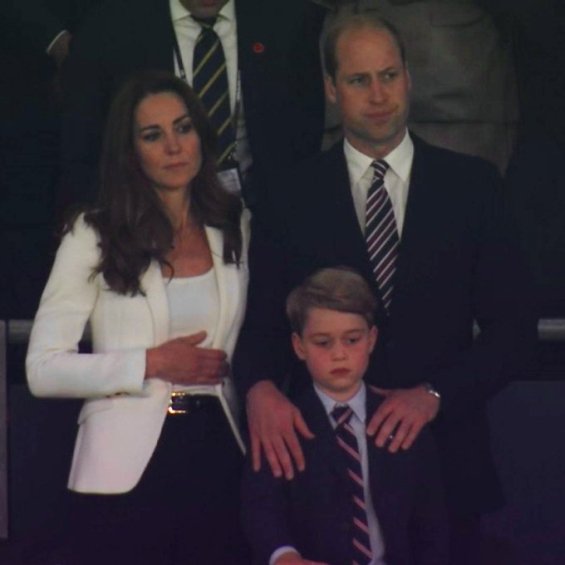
{"points": [[3, 434]]}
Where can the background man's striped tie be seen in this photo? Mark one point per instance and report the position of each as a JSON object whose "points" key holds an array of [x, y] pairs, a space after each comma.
{"points": [[210, 82]]}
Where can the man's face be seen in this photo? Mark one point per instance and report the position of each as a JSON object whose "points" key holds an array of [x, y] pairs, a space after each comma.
{"points": [[204, 8], [371, 89]]}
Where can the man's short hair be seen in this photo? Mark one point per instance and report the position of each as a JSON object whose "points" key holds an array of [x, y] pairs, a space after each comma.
{"points": [[344, 20], [338, 288]]}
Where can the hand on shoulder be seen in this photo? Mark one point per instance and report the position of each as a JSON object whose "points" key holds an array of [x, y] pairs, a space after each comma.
{"points": [[273, 422], [399, 419]]}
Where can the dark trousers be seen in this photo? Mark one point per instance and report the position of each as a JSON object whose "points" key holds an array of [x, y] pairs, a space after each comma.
{"points": [[465, 538], [184, 510]]}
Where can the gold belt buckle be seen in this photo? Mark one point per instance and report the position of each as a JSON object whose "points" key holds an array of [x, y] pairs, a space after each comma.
{"points": [[171, 409]]}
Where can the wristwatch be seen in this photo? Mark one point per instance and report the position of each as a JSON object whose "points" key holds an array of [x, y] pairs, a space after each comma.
{"points": [[429, 388]]}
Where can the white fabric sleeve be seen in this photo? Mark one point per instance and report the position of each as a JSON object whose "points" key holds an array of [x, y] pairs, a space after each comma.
{"points": [[54, 366]]}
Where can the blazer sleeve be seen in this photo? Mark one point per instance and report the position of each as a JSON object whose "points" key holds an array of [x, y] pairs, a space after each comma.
{"points": [[264, 512], [54, 365]]}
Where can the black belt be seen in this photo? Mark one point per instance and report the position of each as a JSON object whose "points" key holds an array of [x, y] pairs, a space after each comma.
{"points": [[182, 403]]}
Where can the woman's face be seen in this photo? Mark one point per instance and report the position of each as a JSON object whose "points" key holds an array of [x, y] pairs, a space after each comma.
{"points": [[166, 142]]}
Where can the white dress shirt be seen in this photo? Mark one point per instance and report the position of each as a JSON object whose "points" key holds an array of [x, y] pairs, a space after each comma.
{"points": [[187, 31], [397, 178]]}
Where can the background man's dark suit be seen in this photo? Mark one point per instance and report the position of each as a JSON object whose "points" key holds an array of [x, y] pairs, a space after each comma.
{"points": [[39, 21], [313, 511], [456, 263], [280, 77], [29, 141]]}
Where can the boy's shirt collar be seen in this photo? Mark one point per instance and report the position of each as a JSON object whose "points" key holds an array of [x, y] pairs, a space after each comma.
{"points": [[357, 403]]}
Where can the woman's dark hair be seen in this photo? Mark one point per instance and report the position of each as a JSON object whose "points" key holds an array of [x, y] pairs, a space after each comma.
{"points": [[131, 221]]}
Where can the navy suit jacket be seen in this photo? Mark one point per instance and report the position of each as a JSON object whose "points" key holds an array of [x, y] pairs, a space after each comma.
{"points": [[457, 264], [313, 512], [39, 21], [278, 58]]}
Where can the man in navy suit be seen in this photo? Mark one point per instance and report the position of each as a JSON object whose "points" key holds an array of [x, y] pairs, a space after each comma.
{"points": [[456, 264], [354, 502], [273, 68]]}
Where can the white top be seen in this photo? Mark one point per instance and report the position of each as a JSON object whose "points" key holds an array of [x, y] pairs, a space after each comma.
{"points": [[397, 178], [187, 31], [194, 306]]}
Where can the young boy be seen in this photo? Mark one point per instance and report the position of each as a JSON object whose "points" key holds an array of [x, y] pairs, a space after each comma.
{"points": [[354, 502]]}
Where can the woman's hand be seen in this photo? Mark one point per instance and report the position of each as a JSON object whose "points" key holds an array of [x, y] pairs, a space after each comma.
{"points": [[180, 361]]}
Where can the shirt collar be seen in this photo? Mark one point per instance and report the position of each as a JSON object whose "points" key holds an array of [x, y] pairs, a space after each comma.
{"points": [[356, 402], [179, 12], [399, 159]]}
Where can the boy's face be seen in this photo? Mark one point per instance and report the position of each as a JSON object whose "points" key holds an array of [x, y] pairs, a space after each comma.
{"points": [[335, 347]]}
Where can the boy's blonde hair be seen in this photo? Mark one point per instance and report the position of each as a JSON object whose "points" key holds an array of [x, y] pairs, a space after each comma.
{"points": [[337, 288]]}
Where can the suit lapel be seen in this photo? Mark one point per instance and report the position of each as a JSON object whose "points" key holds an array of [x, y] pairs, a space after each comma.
{"points": [[423, 212], [159, 51], [244, 17], [348, 239], [325, 443], [378, 458], [386, 486], [415, 212]]}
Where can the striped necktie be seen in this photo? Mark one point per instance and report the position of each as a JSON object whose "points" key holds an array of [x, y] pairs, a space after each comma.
{"points": [[361, 544], [210, 82], [381, 233]]}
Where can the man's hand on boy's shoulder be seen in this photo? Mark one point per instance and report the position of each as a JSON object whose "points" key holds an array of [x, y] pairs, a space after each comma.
{"points": [[273, 421], [293, 558], [400, 417]]}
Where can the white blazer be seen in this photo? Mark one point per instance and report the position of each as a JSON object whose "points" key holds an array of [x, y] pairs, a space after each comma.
{"points": [[121, 420]]}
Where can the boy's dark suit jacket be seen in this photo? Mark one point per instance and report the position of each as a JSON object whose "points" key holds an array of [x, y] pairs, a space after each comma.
{"points": [[457, 263], [278, 58], [313, 511]]}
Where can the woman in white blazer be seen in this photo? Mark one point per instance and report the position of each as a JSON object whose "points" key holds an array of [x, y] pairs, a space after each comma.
{"points": [[158, 270]]}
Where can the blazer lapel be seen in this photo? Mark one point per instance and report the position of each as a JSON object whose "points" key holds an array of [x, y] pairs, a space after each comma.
{"points": [[216, 243], [325, 443]]}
